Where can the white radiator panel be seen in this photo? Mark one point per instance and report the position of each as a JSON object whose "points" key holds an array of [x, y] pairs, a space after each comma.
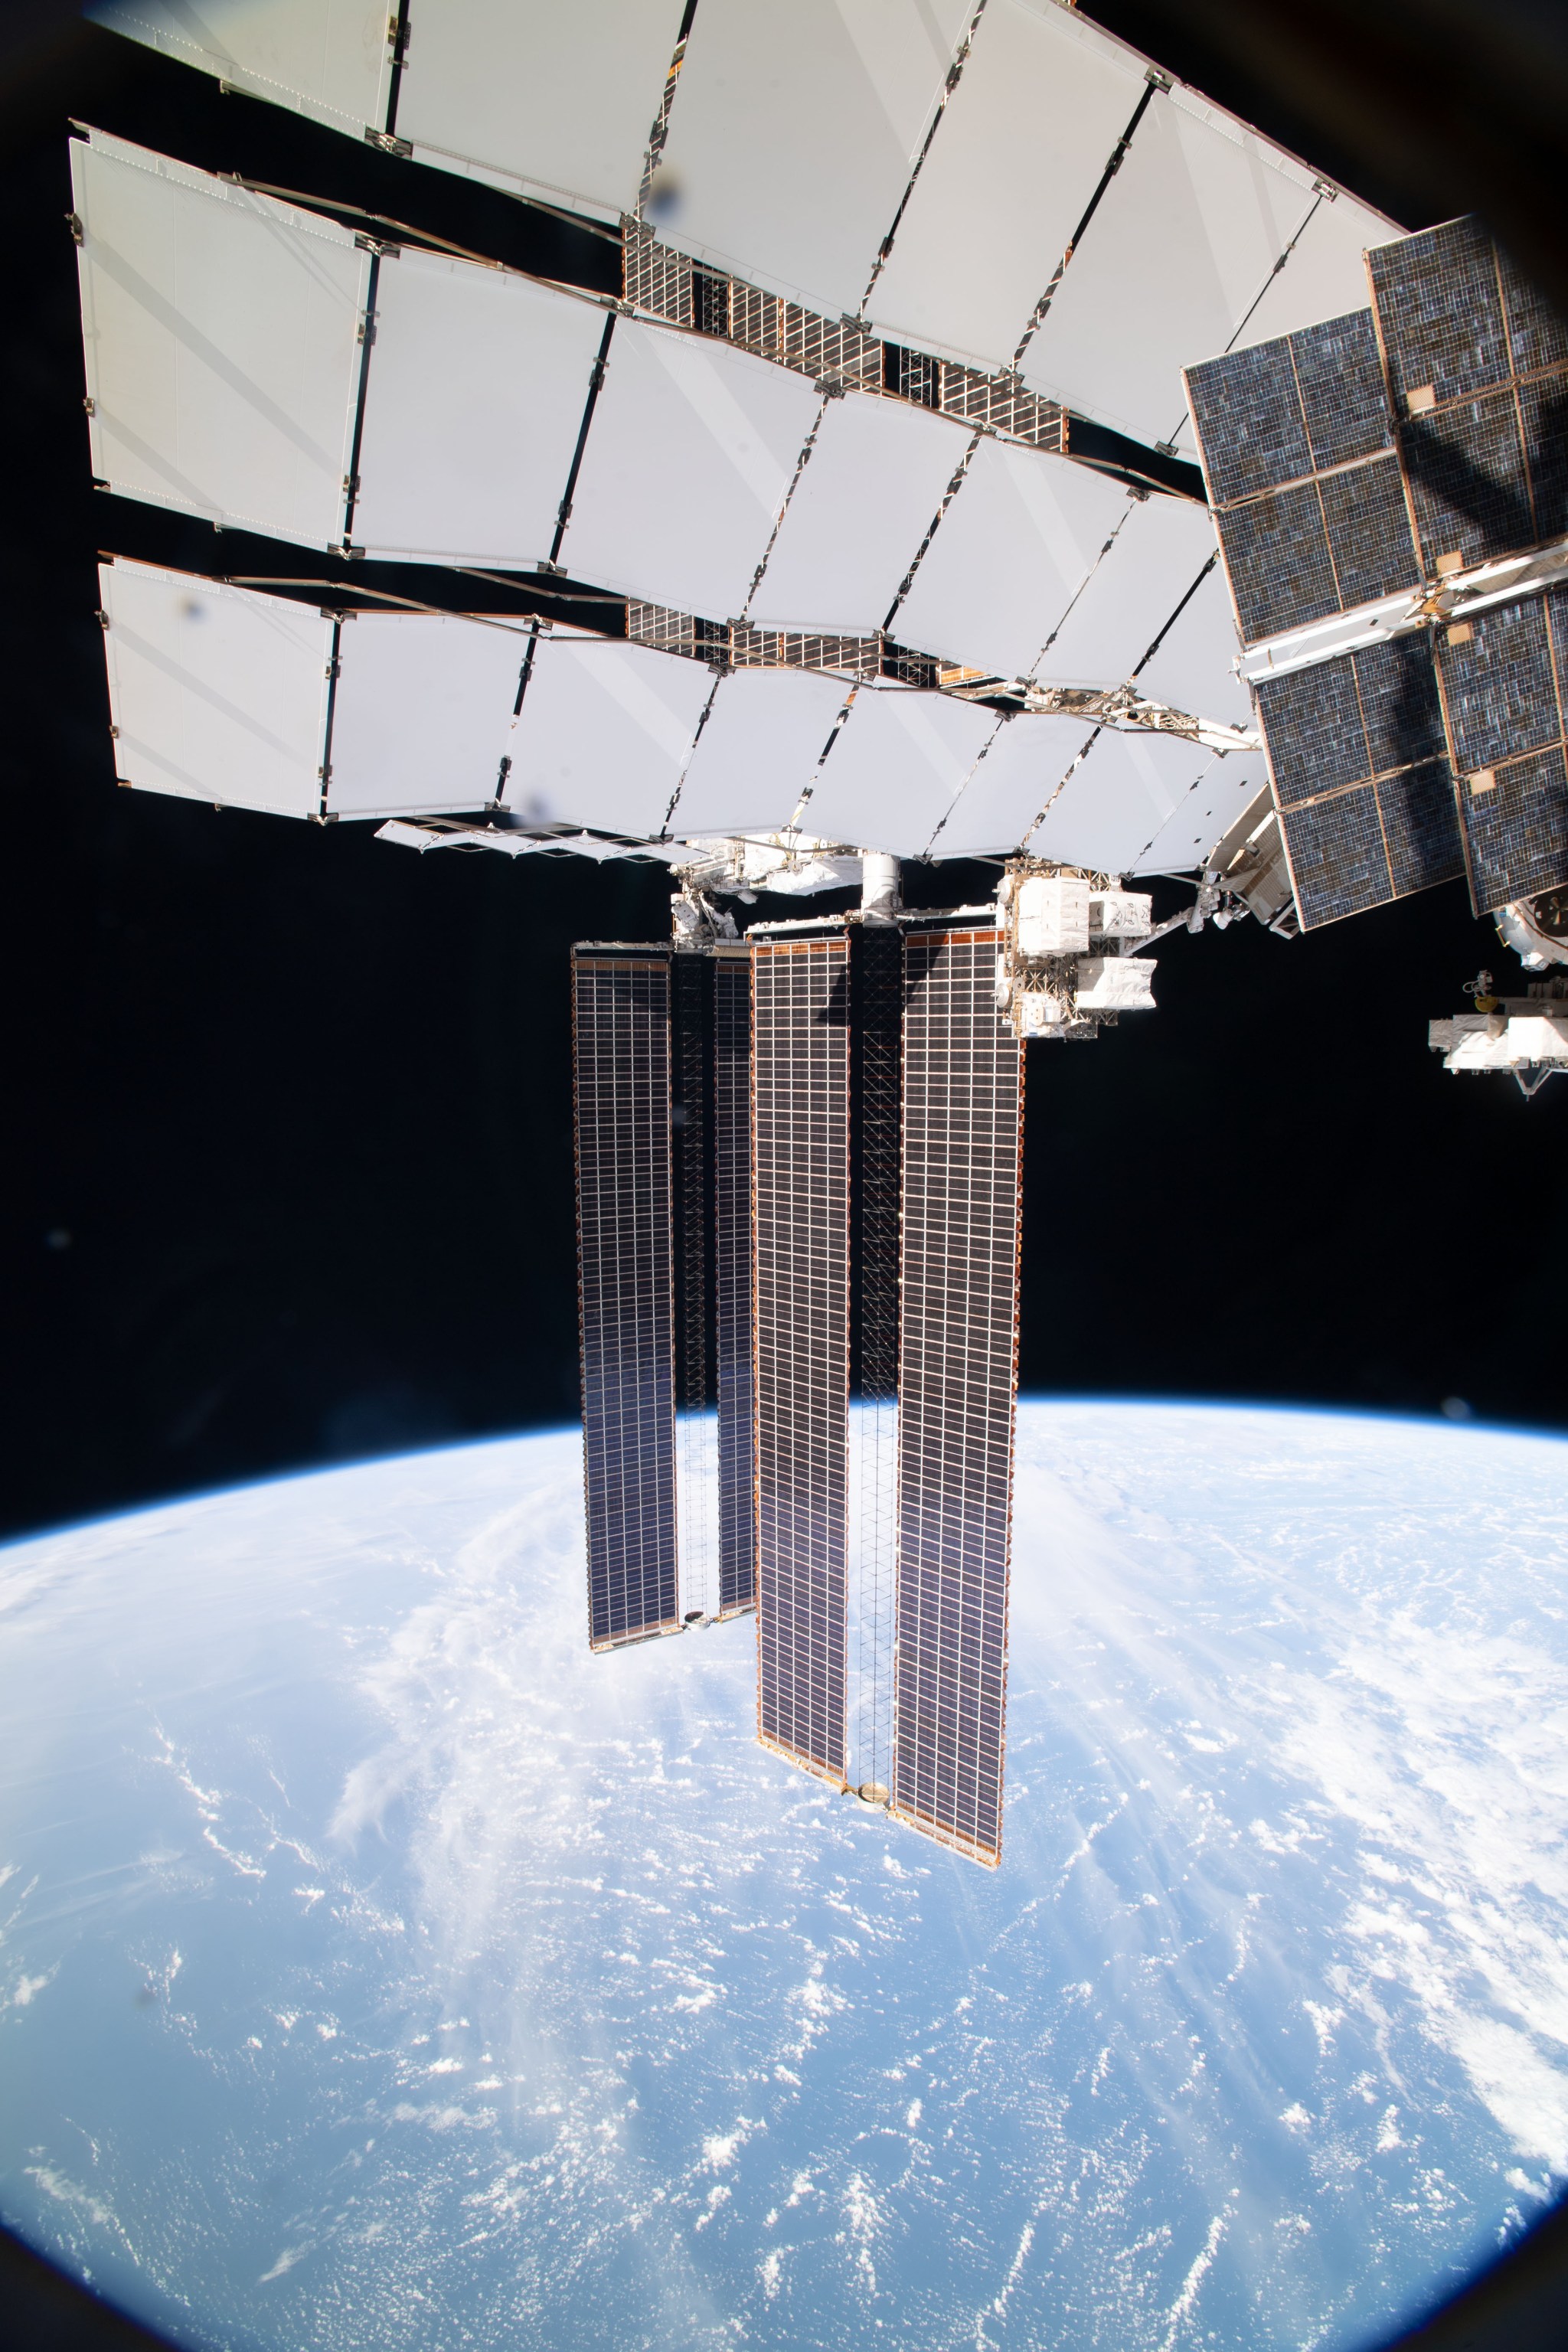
{"points": [[604, 733], [556, 102], [475, 398], [217, 694], [792, 135], [1182, 243], [998, 806], [1160, 548], [1012, 549], [895, 769], [1204, 813], [690, 454], [1113, 807], [859, 512], [759, 750], [325, 59], [1023, 141], [221, 341], [423, 713]]}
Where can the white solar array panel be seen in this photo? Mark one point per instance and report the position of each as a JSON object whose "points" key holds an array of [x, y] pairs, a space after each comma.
{"points": [[1014, 549], [862, 505], [326, 58], [221, 338], [216, 694], [895, 768], [554, 101], [794, 132], [1183, 244], [689, 460], [475, 398], [758, 752], [1043, 99], [604, 735]]}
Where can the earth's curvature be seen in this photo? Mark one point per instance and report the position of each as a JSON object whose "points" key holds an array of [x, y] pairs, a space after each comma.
{"points": [[379, 1968]]}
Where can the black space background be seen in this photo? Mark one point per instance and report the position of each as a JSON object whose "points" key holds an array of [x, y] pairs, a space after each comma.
{"points": [[287, 1170]]}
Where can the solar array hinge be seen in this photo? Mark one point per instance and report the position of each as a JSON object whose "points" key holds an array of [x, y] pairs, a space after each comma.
{"points": [[73, 221], [367, 327], [389, 143], [1156, 80]]}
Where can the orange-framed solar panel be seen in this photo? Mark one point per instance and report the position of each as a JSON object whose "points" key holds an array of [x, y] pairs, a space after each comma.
{"points": [[957, 1380], [800, 1075], [732, 1277], [621, 1071]]}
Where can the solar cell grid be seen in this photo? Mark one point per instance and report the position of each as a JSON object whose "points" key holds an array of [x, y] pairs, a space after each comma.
{"points": [[1277, 559], [1340, 380], [732, 1277], [1397, 688], [801, 1361], [1313, 726], [1537, 329], [1439, 312], [1516, 829], [1477, 365], [1368, 530], [1419, 829], [1503, 679], [1361, 777], [621, 1069], [962, 1142], [1469, 480], [690, 984], [1544, 420], [1337, 860], [1246, 408], [1301, 464], [1276, 411]]}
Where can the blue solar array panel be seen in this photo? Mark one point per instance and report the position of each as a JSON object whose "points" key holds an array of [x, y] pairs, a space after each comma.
{"points": [[1504, 678], [1476, 364], [1357, 755], [1298, 456]]}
